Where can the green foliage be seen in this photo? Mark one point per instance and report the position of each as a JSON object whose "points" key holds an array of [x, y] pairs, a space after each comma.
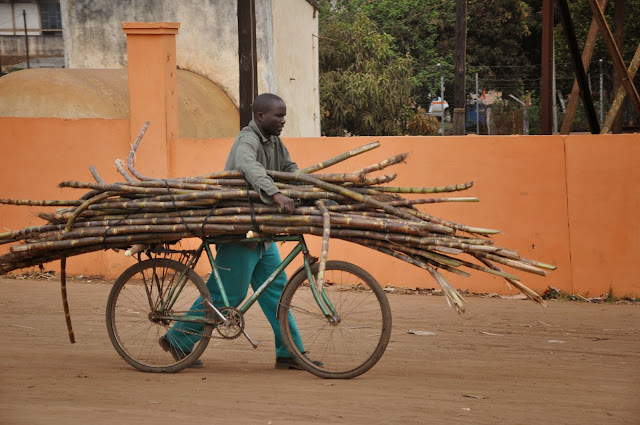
{"points": [[414, 26], [495, 32], [365, 86], [378, 58]]}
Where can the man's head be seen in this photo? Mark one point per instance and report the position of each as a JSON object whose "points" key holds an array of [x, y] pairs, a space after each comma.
{"points": [[269, 111]]}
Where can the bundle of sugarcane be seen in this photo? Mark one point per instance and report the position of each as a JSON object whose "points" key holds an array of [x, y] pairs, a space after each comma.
{"points": [[352, 207]]}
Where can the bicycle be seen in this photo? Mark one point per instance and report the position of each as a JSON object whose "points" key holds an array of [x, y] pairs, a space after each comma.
{"points": [[345, 321]]}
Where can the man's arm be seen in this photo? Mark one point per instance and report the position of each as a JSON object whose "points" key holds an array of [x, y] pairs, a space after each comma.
{"points": [[255, 173]]}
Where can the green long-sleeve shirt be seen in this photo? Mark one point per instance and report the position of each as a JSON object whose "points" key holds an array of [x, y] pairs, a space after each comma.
{"points": [[253, 154]]}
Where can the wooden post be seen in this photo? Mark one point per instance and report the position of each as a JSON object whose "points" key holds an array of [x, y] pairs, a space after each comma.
{"points": [[587, 52], [581, 76], [618, 35], [547, 64], [26, 36], [616, 56], [247, 59], [460, 58], [614, 110]]}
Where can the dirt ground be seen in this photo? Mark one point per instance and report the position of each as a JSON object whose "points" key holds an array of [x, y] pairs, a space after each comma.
{"points": [[505, 361]]}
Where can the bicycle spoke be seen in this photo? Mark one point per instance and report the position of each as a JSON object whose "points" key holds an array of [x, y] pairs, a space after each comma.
{"points": [[136, 320]]}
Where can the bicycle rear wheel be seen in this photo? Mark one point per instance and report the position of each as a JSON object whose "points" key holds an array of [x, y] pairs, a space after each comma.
{"points": [[148, 299], [349, 343]]}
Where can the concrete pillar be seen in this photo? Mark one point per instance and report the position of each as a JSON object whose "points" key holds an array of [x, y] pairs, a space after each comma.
{"points": [[153, 96]]}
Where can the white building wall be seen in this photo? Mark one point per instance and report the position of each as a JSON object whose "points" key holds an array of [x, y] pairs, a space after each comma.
{"points": [[295, 58], [207, 44], [14, 25], [6, 21]]}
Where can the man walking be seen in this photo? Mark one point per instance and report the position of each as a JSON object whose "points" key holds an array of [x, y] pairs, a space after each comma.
{"points": [[256, 149]]}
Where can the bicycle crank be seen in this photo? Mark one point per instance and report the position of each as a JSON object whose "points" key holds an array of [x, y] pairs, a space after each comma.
{"points": [[233, 325]]}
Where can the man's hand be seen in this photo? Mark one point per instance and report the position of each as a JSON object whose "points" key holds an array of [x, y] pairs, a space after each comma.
{"points": [[284, 202]]}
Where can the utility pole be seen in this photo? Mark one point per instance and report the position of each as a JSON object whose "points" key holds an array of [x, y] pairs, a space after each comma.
{"points": [[441, 98], [618, 35], [554, 104], [460, 59], [248, 59], [26, 36], [477, 106], [547, 94], [525, 114], [601, 95]]}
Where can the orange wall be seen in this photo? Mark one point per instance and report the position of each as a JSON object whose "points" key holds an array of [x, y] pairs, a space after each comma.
{"points": [[567, 200], [603, 179]]}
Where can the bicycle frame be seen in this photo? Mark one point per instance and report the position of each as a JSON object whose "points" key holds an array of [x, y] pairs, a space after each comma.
{"points": [[323, 301]]}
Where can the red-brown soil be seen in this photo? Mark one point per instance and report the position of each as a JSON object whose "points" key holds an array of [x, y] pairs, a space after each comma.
{"points": [[505, 361]]}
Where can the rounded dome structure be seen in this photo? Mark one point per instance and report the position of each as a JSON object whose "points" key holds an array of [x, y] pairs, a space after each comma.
{"points": [[204, 110]]}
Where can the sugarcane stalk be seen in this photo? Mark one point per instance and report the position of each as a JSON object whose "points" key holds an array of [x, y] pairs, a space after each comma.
{"points": [[27, 232], [41, 203], [95, 174], [509, 262], [451, 295], [135, 189], [86, 204], [340, 177], [384, 164], [65, 302], [538, 264], [373, 181], [326, 232], [219, 175], [409, 250], [532, 295], [121, 170], [409, 202], [457, 226], [339, 158], [14, 261], [132, 153], [440, 260], [446, 267], [422, 190]]}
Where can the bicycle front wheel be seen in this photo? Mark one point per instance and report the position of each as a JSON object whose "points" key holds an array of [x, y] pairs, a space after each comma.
{"points": [[147, 300], [351, 341]]}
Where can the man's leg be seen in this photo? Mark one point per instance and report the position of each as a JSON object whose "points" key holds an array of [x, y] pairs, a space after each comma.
{"points": [[235, 263], [269, 299]]}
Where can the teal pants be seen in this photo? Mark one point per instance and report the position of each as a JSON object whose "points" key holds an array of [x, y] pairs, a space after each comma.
{"points": [[240, 265]]}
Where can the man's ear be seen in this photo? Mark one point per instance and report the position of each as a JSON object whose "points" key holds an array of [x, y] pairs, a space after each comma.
{"points": [[259, 116]]}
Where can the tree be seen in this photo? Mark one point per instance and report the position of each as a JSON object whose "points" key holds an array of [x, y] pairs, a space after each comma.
{"points": [[365, 86], [414, 26]]}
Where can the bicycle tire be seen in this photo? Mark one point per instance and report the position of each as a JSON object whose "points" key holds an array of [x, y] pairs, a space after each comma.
{"points": [[344, 350], [134, 308]]}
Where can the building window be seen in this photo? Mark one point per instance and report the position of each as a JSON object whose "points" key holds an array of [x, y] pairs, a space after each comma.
{"points": [[51, 18]]}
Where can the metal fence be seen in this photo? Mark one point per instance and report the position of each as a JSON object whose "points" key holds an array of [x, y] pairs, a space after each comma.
{"points": [[506, 100]]}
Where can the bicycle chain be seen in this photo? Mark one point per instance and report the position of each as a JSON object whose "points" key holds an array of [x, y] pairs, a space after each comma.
{"points": [[237, 321]]}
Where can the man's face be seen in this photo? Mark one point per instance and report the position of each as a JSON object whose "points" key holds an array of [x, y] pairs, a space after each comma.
{"points": [[272, 120]]}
